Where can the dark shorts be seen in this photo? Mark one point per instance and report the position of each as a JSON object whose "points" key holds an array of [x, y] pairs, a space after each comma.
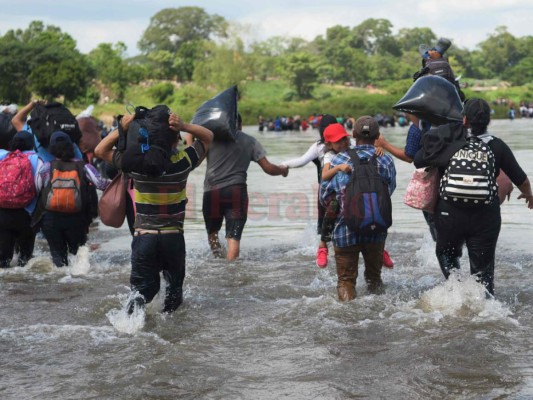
{"points": [[230, 203]]}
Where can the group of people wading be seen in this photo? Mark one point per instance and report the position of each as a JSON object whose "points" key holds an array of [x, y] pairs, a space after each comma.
{"points": [[357, 176]]}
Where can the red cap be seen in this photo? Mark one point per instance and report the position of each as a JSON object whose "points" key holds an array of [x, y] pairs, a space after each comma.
{"points": [[334, 132]]}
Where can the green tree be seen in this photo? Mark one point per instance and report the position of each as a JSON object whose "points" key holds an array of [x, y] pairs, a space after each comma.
{"points": [[301, 70], [14, 69], [374, 36], [57, 67], [521, 73], [500, 51], [410, 38], [170, 28], [110, 67], [223, 66]]}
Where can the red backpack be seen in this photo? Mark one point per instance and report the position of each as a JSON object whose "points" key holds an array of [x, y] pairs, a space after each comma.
{"points": [[17, 184]]}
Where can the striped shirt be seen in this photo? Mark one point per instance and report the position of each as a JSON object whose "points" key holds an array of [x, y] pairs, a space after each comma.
{"points": [[160, 201], [342, 235]]}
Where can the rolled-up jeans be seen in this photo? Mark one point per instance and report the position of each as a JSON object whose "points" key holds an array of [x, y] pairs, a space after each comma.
{"points": [[347, 259], [151, 254]]}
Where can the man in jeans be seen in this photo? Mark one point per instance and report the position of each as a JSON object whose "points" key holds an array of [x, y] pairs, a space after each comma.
{"points": [[347, 244]]}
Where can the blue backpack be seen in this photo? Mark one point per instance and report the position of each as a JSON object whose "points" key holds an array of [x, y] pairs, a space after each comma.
{"points": [[367, 202]]}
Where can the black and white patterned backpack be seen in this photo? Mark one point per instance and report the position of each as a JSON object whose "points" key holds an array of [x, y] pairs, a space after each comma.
{"points": [[470, 178]]}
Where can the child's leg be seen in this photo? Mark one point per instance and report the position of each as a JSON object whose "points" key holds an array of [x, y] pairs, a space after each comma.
{"points": [[332, 211]]}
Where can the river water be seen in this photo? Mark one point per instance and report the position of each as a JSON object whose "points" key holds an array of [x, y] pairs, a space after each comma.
{"points": [[269, 325]]}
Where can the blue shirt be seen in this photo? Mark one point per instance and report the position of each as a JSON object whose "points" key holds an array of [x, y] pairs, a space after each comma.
{"points": [[43, 153], [342, 235], [412, 143]]}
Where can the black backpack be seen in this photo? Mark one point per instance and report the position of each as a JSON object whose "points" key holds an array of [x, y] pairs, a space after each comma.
{"points": [[49, 118], [367, 202], [470, 177], [147, 144]]}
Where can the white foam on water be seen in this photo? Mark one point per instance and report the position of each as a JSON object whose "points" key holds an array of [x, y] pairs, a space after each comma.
{"points": [[462, 295], [124, 322], [40, 264], [324, 279], [79, 264], [426, 253]]}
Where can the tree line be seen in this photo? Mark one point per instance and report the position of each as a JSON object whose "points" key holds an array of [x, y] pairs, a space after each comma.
{"points": [[187, 44]]}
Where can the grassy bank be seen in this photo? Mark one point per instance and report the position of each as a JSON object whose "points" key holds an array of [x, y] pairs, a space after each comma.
{"points": [[275, 98]]}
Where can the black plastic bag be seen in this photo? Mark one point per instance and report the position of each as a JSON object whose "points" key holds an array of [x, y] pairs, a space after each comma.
{"points": [[219, 115], [432, 98]]}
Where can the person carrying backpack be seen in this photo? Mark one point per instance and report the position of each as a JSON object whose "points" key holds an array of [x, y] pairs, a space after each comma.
{"points": [[64, 207], [367, 188], [18, 197], [468, 209]]}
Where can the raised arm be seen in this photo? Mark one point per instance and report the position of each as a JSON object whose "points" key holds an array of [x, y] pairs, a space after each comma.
{"points": [[104, 149], [204, 135], [19, 119]]}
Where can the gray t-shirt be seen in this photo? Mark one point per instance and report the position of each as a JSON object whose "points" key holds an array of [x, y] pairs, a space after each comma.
{"points": [[227, 162]]}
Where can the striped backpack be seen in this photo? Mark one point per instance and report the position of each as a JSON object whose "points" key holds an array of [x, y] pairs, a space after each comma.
{"points": [[17, 185], [470, 177]]}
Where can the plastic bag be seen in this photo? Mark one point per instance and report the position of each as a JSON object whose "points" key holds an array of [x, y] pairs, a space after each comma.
{"points": [[219, 115], [422, 190], [432, 98]]}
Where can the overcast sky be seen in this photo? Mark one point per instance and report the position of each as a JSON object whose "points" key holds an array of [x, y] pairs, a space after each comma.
{"points": [[90, 22]]}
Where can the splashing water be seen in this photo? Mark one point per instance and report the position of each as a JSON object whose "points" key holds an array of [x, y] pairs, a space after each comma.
{"points": [[461, 294], [124, 322], [80, 264]]}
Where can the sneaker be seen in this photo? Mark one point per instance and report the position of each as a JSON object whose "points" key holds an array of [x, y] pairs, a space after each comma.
{"points": [[322, 257], [387, 261]]}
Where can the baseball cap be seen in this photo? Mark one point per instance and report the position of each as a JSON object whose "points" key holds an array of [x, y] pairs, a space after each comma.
{"points": [[334, 132], [59, 136], [366, 127], [25, 136], [477, 111]]}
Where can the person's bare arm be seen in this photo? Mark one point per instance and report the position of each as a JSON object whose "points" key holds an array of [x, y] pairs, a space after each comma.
{"points": [[188, 139], [395, 151], [525, 189], [204, 135], [104, 150], [328, 173], [19, 119], [272, 169]]}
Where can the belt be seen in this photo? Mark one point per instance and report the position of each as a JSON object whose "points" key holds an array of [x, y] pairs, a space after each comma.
{"points": [[141, 232]]}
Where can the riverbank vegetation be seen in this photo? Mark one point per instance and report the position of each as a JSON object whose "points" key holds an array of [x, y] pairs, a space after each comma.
{"points": [[188, 55]]}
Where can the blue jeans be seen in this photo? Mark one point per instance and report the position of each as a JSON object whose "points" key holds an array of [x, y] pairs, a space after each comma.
{"points": [[151, 254]]}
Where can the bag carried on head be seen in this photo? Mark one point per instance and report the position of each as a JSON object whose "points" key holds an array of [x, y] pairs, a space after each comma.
{"points": [[17, 184], [148, 142], [49, 118], [66, 191], [470, 178], [367, 203], [220, 115]]}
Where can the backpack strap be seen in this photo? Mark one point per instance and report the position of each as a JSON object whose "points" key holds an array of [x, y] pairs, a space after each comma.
{"points": [[354, 157]]}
